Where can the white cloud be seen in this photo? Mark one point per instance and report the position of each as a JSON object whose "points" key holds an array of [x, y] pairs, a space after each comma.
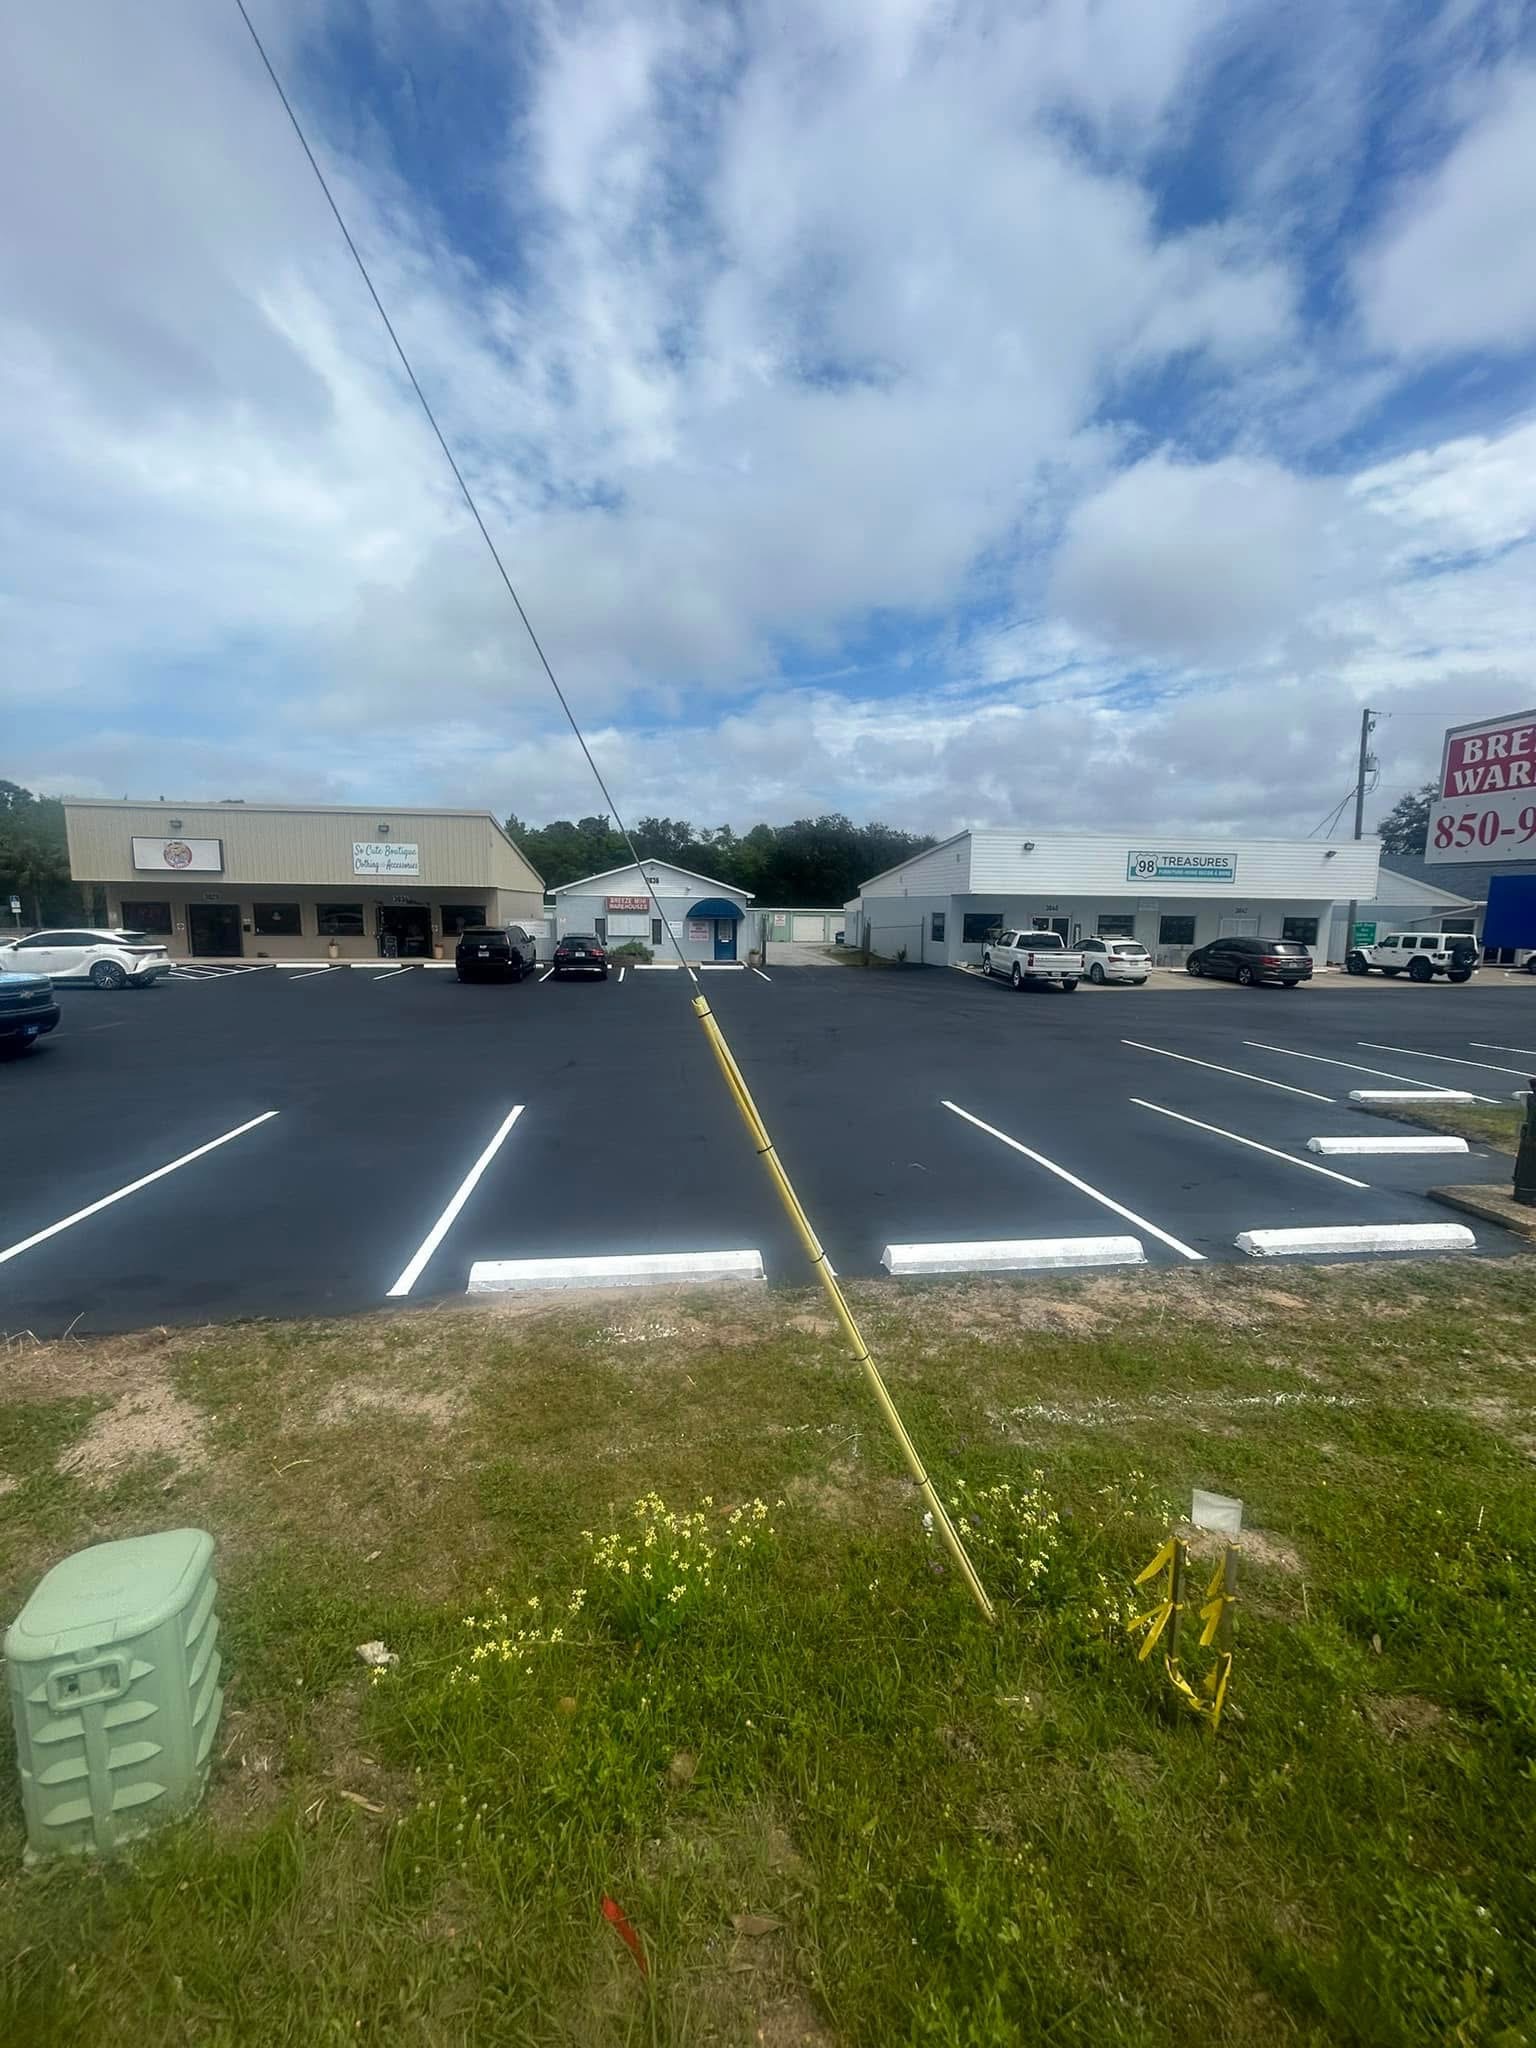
{"points": [[1455, 267], [1197, 562]]}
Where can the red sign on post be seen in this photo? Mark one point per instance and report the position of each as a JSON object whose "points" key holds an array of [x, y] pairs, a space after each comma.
{"points": [[1486, 809], [628, 902]]}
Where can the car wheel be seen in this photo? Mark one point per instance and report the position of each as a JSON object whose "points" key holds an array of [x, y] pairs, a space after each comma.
{"points": [[1357, 964], [1245, 977], [1096, 974], [1066, 987], [1290, 984], [107, 974], [603, 974], [1194, 967], [1420, 970], [1462, 974], [1018, 977], [461, 974]]}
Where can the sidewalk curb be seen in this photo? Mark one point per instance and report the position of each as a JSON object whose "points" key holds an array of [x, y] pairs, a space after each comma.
{"points": [[1493, 1204]]}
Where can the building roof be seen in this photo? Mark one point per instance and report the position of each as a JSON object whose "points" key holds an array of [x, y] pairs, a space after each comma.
{"points": [[638, 868], [1466, 880], [238, 803]]}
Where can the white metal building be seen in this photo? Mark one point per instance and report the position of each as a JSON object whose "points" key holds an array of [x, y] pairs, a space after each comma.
{"points": [[1171, 894], [705, 915]]}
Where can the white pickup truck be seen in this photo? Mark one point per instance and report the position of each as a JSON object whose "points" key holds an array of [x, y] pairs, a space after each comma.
{"points": [[1032, 956]]}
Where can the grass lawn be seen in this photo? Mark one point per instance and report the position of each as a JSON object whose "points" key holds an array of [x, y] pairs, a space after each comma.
{"points": [[832, 1805], [1494, 1124]]}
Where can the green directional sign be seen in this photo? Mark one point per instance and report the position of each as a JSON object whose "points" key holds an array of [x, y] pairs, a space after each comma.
{"points": [[1365, 935]]}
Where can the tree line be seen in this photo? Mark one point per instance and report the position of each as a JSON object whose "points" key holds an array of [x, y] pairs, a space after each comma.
{"points": [[34, 860], [815, 862]]}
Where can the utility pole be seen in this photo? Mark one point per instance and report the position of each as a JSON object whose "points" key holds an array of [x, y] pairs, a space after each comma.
{"points": [[1367, 726]]}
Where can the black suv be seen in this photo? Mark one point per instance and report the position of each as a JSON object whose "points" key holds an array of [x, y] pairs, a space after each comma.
{"points": [[495, 952], [1285, 961], [27, 1010]]}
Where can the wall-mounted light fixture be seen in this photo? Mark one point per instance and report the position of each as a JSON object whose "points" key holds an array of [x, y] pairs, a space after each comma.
{"points": [[1028, 846], [174, 823], [383, 829], [1331, 854]]}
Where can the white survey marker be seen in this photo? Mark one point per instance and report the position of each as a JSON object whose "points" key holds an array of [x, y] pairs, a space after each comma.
{"points": [[1011, 1255], [621, 1269], [1444, 1098], [1354, 1148], [1361, 1237]]}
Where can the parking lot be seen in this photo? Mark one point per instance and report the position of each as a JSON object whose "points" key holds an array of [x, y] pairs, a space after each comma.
{"points": [[284, 1142]]}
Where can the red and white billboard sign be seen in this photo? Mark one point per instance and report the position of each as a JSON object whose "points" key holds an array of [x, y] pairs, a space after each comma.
{"points": [[1486, 807]]}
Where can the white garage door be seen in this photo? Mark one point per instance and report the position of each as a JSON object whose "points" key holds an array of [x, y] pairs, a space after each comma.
{"points": [[808, 927]]}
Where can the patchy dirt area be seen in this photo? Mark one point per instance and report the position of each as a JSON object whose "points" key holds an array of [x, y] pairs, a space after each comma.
{"points": [[152, 1420], [1401, 1716]]}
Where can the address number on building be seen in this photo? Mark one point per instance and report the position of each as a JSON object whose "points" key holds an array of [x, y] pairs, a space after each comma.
{"points": [[1181, 867]]}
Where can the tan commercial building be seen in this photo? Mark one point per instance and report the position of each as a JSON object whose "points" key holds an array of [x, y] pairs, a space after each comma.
{"points": [[290, 882]]}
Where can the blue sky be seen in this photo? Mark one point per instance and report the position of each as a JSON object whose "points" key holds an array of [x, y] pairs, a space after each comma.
{"points": [[942, 413]]}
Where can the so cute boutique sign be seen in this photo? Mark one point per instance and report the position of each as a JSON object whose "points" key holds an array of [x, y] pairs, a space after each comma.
{"points": [[386, 857]]}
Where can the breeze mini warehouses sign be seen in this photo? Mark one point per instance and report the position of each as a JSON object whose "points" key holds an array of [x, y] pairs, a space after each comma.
{"points": [[385, 857], [1181, 867], [1486, 806]]}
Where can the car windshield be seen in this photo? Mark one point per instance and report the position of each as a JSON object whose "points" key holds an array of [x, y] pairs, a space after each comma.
{"points": [[482, 931], [579, 939], [1283, 946], [132, 938], [1129, 948], [1042, 939]]}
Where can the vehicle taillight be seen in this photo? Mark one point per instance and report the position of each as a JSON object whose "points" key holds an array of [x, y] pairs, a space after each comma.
{"points": [[1271, 960]]}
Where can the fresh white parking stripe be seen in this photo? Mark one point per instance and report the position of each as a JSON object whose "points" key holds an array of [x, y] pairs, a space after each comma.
{"points": [[1072, 1180], [545, 976], [1011, 1255], [121, 1194], [760, 974], [1444, 1058], [1356, 1237], [1483, 1046], [1352, 1066], [1252, 1143], [1368, 1147], [462, 1193], [622, 972], [620, 1269], [1191, 1061], [309, 971], [390, 973]]}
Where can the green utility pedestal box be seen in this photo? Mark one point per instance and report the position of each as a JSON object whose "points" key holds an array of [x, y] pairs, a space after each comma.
{"points": [[114, 1680]]}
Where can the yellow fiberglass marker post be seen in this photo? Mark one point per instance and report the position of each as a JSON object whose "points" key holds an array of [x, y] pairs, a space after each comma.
{"points": [[764, 1147]]}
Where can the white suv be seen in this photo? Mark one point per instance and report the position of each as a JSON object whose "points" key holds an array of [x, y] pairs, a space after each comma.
{"points": [[105, 959], [1421, 955]]}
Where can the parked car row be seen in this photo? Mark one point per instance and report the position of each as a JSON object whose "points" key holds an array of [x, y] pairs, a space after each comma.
{"points": [[1037, 957]]}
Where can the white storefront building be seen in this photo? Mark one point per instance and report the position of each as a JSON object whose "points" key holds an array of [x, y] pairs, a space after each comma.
{"points": [[1171, 894]]}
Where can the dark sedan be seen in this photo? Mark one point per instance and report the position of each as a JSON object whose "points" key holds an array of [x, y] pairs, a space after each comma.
{"points": [[582, 953], [1284, 962], [27, 1010]]}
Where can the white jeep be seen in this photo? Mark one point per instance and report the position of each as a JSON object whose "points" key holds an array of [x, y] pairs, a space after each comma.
{"points": [[1419, 955]]}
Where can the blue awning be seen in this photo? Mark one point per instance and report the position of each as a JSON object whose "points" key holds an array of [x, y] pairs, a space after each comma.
{"points": [[716, 906]]}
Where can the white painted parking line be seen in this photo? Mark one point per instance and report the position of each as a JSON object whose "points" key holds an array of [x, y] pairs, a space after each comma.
{"points": [[1252, 1143], [1356, 1237], [1061, 1173], [390, 973], [1444, 1058], [133, 1187], [1369, 1147], [1190, 1060], [461, 1195], [545, 976], [1351, 1066], [1483, 1046], [1011, 1255], [622, 1269], [760, 974], [308, 972], [622, 972], [655, 967]]}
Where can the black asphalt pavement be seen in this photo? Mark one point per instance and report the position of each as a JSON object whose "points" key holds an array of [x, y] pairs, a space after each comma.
{"points": [[892, 1096]]}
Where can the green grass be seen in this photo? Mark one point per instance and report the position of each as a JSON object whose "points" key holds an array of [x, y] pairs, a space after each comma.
{"points": [[946, 1834], [1495, 1124]]}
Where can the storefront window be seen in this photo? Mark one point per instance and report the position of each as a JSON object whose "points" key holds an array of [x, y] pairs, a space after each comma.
{"points": [[456, 916], [1302, 929], [936, 927], [277, 920], [977, 924], [1176, 931], [1117, 925], [146, 917], [340, 921]]}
